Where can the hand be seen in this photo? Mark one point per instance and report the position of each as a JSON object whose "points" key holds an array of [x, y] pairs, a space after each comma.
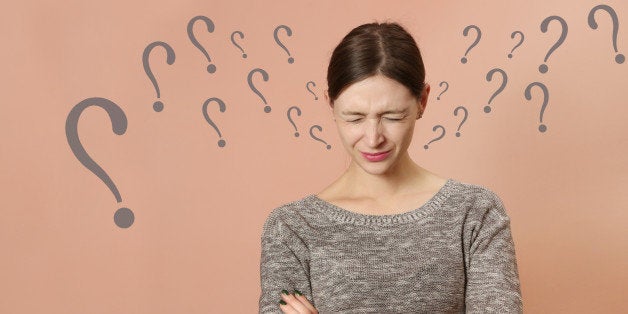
{"points": [[296, 303]]}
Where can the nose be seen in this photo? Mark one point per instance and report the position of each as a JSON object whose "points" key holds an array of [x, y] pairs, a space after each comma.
{"points": [[374, 134]]}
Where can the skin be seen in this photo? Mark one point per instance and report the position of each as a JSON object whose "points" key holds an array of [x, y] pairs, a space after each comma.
{"points": [[365, 124]]}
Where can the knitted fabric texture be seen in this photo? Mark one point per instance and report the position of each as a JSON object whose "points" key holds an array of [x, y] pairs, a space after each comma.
{"points": [[453, 254]]}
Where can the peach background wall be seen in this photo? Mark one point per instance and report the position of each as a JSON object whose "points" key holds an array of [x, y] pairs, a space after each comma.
{"points": [[198, 208]]}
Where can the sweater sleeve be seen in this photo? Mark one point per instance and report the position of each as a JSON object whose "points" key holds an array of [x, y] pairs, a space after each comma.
{"points": [[492, 277], [284, 264]]}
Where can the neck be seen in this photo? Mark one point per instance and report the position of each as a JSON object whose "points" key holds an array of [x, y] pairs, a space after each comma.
{"points": [[400, 178]]}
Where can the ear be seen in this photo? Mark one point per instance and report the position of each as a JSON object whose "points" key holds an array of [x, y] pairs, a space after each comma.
{"points": [[327, 99], [424, 96]]}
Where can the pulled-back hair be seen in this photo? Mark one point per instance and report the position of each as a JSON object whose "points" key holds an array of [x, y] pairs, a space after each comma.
{"points": [[376, 48]]}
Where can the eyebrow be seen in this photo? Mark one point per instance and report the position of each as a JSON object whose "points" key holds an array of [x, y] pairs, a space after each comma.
{"points": [[385, 112]]}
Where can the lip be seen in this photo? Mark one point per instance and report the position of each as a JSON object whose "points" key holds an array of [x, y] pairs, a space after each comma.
{"points": [[376, 156]]}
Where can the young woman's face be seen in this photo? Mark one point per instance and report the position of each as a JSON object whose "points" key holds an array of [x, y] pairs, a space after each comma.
{"points": [[377, 116]]}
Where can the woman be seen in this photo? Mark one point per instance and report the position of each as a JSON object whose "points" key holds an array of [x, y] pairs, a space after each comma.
{"points": [[388, 236]]}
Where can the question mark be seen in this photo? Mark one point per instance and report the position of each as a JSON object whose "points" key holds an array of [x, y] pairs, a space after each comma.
{"points": [[465, 32], [250, 81], [221, 105], [466, 114], [307, 86], [236, 44], [446, 88], [517, 45], [542, 127], [619, 58], [489, 77], [210, 28], [438, 138], [158, 105], [561, 39], [296, 133], [289, 32], [320, 129], [123, 217]]}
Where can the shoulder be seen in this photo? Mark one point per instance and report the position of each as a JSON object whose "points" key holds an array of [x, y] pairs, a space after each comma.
{"points": [[286, 216], [479, 200]]}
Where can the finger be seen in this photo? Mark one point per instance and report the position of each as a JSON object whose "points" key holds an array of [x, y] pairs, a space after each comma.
{"points": [[295, 303], [305, 302], [287, 308]]}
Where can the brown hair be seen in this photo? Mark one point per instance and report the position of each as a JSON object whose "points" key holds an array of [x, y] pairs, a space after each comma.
{"points": [[376, 48]]}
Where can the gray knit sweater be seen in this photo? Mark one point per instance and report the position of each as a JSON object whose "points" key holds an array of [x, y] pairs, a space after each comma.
{"points": [[454, 254]]}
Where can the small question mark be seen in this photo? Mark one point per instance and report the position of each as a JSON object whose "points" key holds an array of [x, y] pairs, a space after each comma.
{"points": [[542, 127], [296, 133], [518, 44], [123, 217], [307, 86], [289, 32], [563, 34], [158, 105], [446, 88], [489, 77], [465, 32], [249, 79], [466, 114], [619, 58], [210, 28], [221, 105], [320, 129], [438, 138], [236, 44]]}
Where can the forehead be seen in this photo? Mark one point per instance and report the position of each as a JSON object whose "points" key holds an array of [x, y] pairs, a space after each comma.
{"points": [[375, 93]]}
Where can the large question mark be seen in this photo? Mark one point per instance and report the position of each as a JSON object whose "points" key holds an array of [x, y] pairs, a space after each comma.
{"points": [[518, 44], [446, 88], [619, 58], [289, 32], [249, 79], [307, 86], [158, 105], [123, 217], [436, 139], [563, 34], [296, 132], [239, 33], [489, 77], [542, 127], [210, 28], [466, 114], [465, 32], [221, 105], [320, 129]]}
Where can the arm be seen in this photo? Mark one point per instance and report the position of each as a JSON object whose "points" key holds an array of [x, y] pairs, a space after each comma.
{"points": [[492, 277], [284, 264]]}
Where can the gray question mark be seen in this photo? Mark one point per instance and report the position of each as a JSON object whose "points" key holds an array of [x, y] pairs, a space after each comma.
{"points": [[239, 33], [307, 86], [123, 217], [438, 138], [221, 105], [489, 77], [289, 32], [446, 88], [542, 127], [249, 79], [158, 105], [619, 58], [320, 129], [518, 44], [210, 28], [465, 32], [561, 39], [296, 133], [466, 114]]}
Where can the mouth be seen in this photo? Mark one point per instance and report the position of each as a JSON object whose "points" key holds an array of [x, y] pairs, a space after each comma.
{"points": [[377, 156]]}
